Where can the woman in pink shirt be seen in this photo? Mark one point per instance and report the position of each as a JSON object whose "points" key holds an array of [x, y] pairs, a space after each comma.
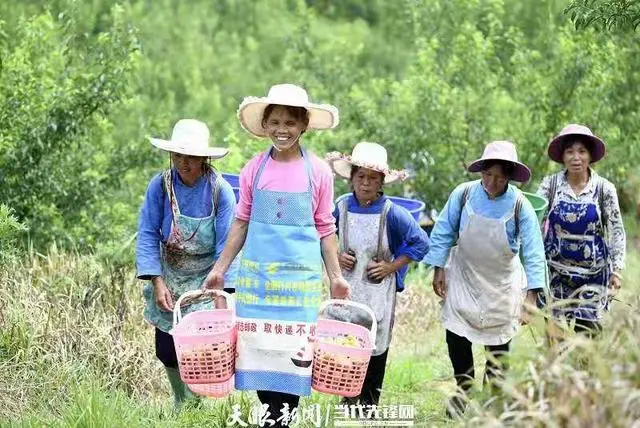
{"points": [[285, 227]]}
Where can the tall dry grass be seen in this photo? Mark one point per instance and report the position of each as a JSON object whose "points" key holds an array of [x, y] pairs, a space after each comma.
{"points": [[64, 319], [75, 351]]}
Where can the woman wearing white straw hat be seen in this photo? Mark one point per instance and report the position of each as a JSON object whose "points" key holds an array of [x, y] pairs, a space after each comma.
{"points": [[183, 226], [474, 248], [378, 239], [584, 237], [285, 228]]}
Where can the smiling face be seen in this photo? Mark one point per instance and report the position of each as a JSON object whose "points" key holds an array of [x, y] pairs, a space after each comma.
{"points": [[284, 125], [576, 157], [367, 183]]}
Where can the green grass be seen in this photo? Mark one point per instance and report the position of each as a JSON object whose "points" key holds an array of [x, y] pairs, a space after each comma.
{"points": [[76, 352]]}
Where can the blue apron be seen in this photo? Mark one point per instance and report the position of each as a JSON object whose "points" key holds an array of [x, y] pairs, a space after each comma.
{"points": [[578, 259], [186, 258], [278, 290]]}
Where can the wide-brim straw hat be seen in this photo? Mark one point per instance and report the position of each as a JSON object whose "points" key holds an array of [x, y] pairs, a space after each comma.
{"points": [[190, 137], [251, 110], [366, 155], [574, 131], [503, 151]]}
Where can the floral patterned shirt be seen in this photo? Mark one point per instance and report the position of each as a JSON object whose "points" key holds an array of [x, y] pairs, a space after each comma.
{"points": [[616, 238]]}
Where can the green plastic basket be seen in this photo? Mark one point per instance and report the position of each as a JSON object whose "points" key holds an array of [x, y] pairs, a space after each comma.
{"points": [[539, 204]]}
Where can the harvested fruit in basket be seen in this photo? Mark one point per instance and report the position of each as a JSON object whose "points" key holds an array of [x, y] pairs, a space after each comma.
{"points": [[202, 353], [349, 340]]}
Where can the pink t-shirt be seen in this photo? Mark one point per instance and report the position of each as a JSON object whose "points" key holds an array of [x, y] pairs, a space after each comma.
{"points": [[291, 177]]}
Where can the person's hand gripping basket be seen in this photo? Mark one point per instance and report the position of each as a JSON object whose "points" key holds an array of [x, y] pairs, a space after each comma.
{"points": [[341, 352], [205, 344]]}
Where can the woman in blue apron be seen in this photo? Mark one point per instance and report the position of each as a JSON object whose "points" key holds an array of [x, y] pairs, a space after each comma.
{"points": [[378, 239], [183, 226], [285, 228], [584, 235], [475, 247]]}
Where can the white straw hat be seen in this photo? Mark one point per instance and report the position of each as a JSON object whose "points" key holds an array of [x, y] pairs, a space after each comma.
{"points": [[190, 137], [251, 110], [367, 155]]}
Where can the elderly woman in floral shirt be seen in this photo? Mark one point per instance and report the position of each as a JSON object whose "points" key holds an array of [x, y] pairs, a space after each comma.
{"points": [[584, 235]]}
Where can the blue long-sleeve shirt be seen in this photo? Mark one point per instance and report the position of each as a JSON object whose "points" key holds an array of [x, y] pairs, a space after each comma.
{"points": [[154, 224], [445, 232], [404, 234]]}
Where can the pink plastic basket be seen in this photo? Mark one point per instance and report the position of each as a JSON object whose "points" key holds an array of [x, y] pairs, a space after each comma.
{"points": [[215, 390], [205, 341], [341, 369]]}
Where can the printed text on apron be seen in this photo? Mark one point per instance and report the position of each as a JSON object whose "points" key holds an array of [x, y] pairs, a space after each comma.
{"points": [[278, 290]]}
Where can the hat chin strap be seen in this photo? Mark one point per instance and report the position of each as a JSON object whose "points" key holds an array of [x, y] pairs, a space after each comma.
{"points": [[280, 149]]}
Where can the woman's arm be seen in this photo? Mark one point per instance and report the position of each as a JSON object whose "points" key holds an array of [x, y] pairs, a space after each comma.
{"points": [[532, 247], [149, 233], [148, 244], [338, 287], [617, 238], [326, 226], [445, 232], [224, 216], [407, 240], [406, 234]]}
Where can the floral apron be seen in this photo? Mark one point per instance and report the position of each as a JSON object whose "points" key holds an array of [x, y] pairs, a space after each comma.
{"points": [[186, 258]]}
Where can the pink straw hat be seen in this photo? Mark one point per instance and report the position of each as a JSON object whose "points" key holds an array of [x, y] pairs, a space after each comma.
{"points": [[504, 151]]}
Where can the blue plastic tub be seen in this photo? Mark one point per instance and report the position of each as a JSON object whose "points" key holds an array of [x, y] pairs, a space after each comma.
{"points": [[232, 179], [414, 206]]}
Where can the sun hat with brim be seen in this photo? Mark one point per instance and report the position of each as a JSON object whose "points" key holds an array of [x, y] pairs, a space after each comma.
{"points": [[251, 110], [502, 151], [190, 137], [574, 131], [366, 155]]}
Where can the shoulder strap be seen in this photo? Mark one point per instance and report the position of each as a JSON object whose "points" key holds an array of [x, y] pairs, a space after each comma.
{"points": [[382, 228], [344, 233], [168, 188], [553, 188], [516, 213], [215, 192], [463, 202], [465, 196], [603, 214]]}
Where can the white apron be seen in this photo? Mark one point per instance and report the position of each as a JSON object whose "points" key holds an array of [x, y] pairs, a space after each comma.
{"points": [[486, 283]]}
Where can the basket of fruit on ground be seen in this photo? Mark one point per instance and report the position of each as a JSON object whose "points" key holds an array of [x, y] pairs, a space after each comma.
{"points": [[205, 341], [341, 352]]}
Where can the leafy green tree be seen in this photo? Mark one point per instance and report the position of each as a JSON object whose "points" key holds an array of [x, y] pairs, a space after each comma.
{"points": [[57, 87], [621, 15]]}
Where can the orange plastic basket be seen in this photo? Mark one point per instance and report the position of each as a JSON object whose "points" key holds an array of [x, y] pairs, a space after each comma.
{"points": [[340, 369], [205, 341]]}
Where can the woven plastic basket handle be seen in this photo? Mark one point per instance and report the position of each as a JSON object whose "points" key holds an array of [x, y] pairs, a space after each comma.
{"points": [[210, 293], [367, 309]]}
